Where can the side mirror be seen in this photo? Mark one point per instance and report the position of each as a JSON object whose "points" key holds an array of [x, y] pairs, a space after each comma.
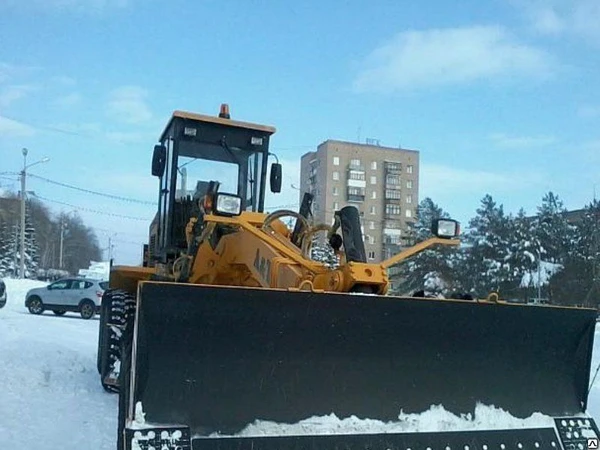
{"points": [[159, 160], [276, 173]]}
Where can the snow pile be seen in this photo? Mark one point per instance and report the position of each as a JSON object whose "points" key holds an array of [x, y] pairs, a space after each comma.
{"points": [[435, 419], [97, 270], [51, 397]]}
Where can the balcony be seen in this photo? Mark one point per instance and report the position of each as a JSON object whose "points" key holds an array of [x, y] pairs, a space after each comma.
{"points": [[355, 194], [356, 198], [393, 168]]}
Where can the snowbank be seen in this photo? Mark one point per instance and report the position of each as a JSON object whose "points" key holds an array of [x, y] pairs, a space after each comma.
{"points": [[50, 396]]}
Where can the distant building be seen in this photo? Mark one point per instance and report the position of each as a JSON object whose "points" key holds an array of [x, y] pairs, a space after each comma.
{"points": [[382, 182]]}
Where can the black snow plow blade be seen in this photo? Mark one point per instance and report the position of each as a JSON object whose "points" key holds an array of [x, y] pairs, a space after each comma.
{"points": [[215, 359]]}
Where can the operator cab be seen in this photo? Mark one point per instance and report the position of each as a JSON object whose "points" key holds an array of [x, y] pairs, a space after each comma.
{"points": [[194, 148]]}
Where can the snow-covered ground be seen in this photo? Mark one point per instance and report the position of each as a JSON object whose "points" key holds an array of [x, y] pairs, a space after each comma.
{"points": [[51, 398]]}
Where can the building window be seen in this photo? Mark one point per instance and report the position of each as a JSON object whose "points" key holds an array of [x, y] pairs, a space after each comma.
{"points": [[371, 225], [393, 194], [373, 179], [409, 169], [355, 163], [372, 240], [409, 184], [374, 195], [373, 165], [336, 206], [392, 179], [336, 176], [360, 176], [335, 190], [373, 210], [391, 209], [371, 255], [408, 213], [336, 160], [409, 199], [392, 239]]}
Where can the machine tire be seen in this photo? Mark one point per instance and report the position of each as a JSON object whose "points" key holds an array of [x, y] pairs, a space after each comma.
{"points": [[59, 312], [35, 305], [87, 309], [117, 307], [102, 329], [124, 377]]}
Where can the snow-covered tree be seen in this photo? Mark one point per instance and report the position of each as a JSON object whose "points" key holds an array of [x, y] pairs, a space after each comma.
{"points": [[10, 249], [578, 283], [429, 270], [322, 252], [487, 263], [5, 249], [552, 230]]}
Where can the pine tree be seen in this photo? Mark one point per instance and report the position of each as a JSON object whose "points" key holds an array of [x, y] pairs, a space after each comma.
{"points": [[5, 249], [31, 249], [578, 282], [429, 270], [488, 258], [552, 229], [523, 255], [322, 252]]}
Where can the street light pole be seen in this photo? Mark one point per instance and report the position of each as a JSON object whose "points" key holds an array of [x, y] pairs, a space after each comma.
{"points": [[539, 289], [23, 177], [23, 190]]}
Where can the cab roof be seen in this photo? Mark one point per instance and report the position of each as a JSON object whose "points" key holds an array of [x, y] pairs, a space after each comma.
{"points": [[216, 120]]}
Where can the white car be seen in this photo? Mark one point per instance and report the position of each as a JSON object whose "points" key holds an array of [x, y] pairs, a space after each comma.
{"points": [[81, 295], [3, 295]]}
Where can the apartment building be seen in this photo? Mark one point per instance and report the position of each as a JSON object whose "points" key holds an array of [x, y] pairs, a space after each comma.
{"points": [[382, 182]]}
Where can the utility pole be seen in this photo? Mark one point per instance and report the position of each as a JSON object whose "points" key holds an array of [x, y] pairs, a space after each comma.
{"points": [[110, 248], [62, 240]]}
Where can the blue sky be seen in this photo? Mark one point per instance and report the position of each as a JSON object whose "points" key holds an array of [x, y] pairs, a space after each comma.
{"points": [[499, 97]]}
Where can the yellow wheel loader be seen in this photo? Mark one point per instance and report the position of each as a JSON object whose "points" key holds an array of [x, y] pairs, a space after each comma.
{"points": [[230, 337]]}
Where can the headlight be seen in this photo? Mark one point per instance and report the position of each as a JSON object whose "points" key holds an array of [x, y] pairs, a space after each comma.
{"points": [[228, 205], [445, 228]]}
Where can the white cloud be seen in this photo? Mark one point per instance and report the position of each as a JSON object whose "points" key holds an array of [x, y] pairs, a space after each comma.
{"points": [[508, 141], [11, 94], [69, 100], [12, 128], [128, 104], [415, 59], [555, 17]]}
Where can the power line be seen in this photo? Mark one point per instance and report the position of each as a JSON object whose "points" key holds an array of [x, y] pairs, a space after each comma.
{"points": [[80, 208], [89, 191]]}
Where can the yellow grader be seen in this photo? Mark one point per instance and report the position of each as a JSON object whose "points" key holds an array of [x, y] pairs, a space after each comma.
{"points": [[229, 321]]}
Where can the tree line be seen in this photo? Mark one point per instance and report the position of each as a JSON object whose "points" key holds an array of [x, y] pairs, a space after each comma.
{"points": [[552, 254], [43, 240]]}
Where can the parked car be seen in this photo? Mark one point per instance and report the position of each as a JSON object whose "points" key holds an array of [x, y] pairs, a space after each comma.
{"points": [[3, 295], [81, 295]]}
